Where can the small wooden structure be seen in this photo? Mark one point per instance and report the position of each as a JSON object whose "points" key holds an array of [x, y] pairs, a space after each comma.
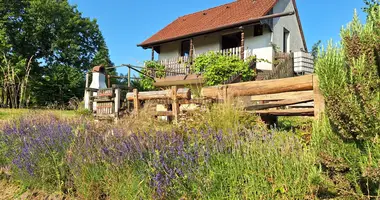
{"points": [[269, 97]]}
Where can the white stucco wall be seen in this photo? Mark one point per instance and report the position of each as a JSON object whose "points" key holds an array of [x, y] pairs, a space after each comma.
{"points": [[288, 22], [206, 43], [260, 45], [169, 50]]}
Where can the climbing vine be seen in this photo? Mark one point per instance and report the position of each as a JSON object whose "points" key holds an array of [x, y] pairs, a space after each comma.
{"points": [[217, 68], [153, 69]]}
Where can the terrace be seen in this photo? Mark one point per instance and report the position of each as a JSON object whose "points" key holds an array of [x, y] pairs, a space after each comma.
{"points": [[181, 66]]}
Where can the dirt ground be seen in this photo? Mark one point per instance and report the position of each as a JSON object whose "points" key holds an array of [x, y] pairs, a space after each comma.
{"points": [[10, 191]]}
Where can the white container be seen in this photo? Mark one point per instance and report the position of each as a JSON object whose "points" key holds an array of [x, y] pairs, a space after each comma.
{"points": [[303, 63]]}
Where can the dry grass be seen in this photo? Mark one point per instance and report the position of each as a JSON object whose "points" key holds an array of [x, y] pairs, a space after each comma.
{"points": [[9, 114]]}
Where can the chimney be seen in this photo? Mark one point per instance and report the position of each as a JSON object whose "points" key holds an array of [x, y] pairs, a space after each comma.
{"points": [[98, 78]]}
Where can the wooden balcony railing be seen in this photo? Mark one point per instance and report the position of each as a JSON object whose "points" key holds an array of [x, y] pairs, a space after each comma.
{"points": [[177, 66], [182, 66]]}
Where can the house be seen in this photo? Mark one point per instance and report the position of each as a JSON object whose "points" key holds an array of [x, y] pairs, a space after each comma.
{"points": [[241, 28]]}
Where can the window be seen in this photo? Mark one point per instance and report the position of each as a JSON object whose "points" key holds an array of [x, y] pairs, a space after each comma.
{"points": [[286, 41], [231, 40], [257, 30], [185, 48]]}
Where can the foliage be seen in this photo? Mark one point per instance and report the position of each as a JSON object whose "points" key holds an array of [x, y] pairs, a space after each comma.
{"points": [[315, 49], [371, 4], [347, 140], [152, 69], [351, 170], [37, 153], [58, 43], [217, 68], [201, 162], [350, 82]]}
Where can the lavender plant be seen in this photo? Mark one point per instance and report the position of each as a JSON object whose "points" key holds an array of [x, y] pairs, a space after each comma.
{"points": [[205, 162], [35, 148]]}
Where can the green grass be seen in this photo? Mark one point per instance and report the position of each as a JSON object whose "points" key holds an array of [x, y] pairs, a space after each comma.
{"points": [[9, 114]]}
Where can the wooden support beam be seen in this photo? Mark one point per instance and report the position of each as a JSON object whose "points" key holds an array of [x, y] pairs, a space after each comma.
{"points": [[191, 55], [175, 104], [182, 93], [129, 78], [242, 43], [319, 101], [287, 112], [300, 83], [286, 102], [223, 93], [281, 96], [136, 101]]}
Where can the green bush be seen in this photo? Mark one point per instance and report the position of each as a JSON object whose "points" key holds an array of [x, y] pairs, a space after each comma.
{"points": [[217, 68], [346, 141], [350, 82], [153, 69]]}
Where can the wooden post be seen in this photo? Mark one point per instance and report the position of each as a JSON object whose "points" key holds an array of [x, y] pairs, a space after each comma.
{"points": [[117, 101], [242, 43], [223, 94], [319, 102], [136, 102], [175, 104], [191, 54], [129, 78]]}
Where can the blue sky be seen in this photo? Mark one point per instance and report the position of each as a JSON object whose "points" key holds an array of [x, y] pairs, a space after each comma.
{"points": [[125, 23]]}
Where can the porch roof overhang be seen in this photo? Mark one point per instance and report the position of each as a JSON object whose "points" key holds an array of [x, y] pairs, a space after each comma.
{"points": [[221, 28]]}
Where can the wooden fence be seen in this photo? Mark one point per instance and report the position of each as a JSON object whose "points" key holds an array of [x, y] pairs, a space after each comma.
{"points": [[178, 66], [268, 97]]}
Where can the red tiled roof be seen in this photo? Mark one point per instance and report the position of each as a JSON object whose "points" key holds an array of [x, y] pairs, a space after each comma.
{"points": [[227, 14]]}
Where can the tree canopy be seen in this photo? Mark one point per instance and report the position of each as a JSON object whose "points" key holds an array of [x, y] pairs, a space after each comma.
{"points": [[46, 46]]}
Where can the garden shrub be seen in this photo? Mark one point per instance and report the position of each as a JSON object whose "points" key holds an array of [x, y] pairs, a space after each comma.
{"points": [[217, 68], [35, 148], [348, 141], [204, 162], [350, 82], [154, 69]]}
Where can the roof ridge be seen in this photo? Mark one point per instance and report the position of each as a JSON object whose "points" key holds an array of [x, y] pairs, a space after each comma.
{"points": [[218, 16], [235, 1]]}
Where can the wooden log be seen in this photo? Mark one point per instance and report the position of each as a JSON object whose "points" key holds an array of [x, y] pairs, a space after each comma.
{"points": [[287, 112], [182, 93], [282, 96], [181, 101], [319, 101], [285, 102], [175, 105], [300, 83]]}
